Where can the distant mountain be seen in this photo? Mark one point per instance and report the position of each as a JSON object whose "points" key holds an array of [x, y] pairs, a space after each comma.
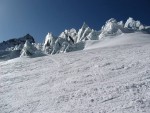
{"points": [[12, 48], [16, 41], [70, 40]]}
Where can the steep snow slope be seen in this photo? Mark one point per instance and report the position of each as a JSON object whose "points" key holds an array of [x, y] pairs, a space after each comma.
{"points": [[104, 80], [123, 39]]}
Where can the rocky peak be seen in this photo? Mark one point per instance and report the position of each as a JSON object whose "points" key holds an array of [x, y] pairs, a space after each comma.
{"points": [[16, 41]]}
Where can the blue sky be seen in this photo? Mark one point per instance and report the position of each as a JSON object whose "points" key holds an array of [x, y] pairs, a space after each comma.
{"points": [[37, 17]]}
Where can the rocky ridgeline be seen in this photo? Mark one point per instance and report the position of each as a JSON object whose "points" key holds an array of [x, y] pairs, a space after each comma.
{"points": [[69, 40]]}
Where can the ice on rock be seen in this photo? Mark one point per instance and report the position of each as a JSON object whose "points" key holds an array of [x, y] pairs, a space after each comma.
{"points": [[18, 47], [63, 43], [49, 40], [11, 48], [83, 28], [132, 24], [141, 27], [83, 32], [121, 23], [93, 35], [58, 45], [16, 41], [72, 33], [28, 49], [112, 27], [49, 43], [73, 40], [69, 35]]}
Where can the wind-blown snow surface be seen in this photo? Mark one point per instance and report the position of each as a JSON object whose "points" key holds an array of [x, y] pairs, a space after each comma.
{"points": [[123, 39], [104, 80]]}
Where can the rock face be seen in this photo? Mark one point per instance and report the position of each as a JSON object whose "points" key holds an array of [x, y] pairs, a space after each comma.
{"points": [[15, 42]]}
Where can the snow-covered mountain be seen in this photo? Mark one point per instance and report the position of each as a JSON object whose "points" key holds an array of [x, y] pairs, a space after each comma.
{"points": [[112, 79], [11, 49], [73, 40], [110, 75], [16, 41]]}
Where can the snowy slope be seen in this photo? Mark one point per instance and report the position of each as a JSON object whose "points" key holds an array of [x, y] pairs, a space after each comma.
{"points": [[123, 39], [104, 80]]}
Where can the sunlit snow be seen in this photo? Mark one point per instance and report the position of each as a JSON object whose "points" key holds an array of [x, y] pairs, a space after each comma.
{"points": [[103, 80]]}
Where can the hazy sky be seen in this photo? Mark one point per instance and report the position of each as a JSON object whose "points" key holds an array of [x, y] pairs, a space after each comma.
{"points": [[37, 17]]}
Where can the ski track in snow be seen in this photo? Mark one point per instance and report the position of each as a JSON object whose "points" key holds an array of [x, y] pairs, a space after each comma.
{"points": [[104, 80]]}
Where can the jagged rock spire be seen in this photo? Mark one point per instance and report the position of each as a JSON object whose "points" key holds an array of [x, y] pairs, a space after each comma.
{"points": [[84, 25]]}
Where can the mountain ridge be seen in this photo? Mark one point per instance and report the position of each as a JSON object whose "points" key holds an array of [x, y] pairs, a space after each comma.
{"points": [[73, 40]]}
